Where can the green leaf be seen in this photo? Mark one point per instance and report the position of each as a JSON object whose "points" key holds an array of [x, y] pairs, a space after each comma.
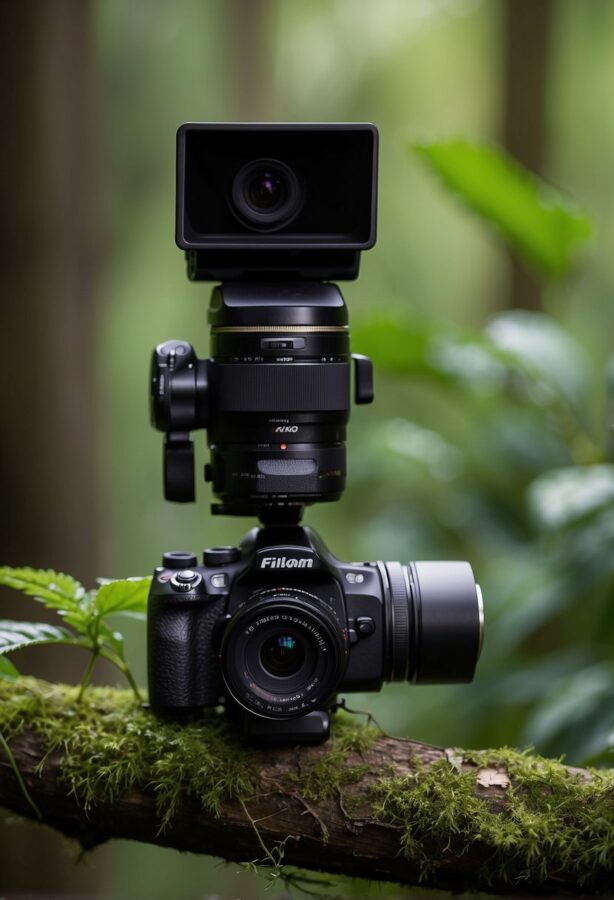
{"points": [[576, 712], [128, 595], [564, 496], [536, 219], [56, 590], [16, 635], [545, 348], [7, 669]]}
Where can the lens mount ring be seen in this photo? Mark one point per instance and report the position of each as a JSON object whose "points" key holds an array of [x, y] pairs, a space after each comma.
{"points": [[266, 195], [319, 666]]}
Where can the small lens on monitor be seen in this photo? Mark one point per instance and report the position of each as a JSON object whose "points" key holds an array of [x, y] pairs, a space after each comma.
{"points": [[265, 191], [266, 195], [282, 655]]}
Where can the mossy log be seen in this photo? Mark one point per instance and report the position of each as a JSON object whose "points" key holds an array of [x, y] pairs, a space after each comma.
{"points": [[364, 804]]}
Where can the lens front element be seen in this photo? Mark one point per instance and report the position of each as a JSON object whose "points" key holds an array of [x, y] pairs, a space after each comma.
{"points": [[282, 655], [265, 191], [266, 195]]}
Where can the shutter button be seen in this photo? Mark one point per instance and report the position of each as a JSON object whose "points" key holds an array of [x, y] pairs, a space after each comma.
{"points": [[185, 580]]}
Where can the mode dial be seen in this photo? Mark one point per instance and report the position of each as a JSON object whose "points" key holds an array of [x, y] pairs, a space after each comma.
{"points": [[179, 559], [221, 556]]}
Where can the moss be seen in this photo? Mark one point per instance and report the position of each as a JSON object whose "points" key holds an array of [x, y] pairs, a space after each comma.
{"points": [[110, 745], [553, 822], [322, 779]]}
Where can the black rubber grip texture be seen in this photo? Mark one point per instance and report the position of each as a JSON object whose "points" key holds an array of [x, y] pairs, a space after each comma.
{"points": [[399, 602], [263, 387], [183, 667]]}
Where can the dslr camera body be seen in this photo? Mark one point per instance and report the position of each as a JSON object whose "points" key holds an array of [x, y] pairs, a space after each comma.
{"points": [[276, 627]]}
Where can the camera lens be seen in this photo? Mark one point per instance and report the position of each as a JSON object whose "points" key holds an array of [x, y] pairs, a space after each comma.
{"points": [[435, 621], [265, 191], [282, 655], [266, 195]]}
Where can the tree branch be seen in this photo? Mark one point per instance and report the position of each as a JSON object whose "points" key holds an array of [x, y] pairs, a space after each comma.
{"points": [[362, 805]]}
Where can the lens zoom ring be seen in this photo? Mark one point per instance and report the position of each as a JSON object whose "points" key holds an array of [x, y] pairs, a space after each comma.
{"points": [[400, 622], [248, 387]]}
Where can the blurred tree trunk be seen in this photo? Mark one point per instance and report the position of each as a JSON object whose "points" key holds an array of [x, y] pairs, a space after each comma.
{"points": [[247, 27], [47, 452], [528, 27]]}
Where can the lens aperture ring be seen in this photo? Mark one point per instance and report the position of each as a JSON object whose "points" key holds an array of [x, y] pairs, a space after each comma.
{"points": [[400, 623]]}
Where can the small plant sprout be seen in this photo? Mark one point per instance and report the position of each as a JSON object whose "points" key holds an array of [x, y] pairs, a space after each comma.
{"points": [[84, 616]]}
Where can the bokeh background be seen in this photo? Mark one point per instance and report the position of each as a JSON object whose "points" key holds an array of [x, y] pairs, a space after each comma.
{"points": [[457, 458]]}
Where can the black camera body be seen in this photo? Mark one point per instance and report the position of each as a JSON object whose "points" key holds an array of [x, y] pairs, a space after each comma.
{"points": [[277, 627]]}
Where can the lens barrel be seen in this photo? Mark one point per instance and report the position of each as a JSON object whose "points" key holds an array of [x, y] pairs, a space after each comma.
{"points": [[279, 388], [274, 396], [434, 621]]}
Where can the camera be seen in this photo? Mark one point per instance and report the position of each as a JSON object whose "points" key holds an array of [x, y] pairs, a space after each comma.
{"points": [[272, 211], [275, 628]]}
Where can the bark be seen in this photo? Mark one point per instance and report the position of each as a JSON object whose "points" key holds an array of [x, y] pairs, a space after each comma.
{"points": [[339, 835]]}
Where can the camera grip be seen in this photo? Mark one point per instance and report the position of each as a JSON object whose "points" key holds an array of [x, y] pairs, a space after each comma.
{"points": [[183, 668]]}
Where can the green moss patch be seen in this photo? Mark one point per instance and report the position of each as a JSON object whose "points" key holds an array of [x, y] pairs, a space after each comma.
{"points": [[110, 745], [552, 822], [321, 780]]}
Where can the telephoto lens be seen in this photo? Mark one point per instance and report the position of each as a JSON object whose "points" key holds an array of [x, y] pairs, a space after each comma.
{"points": [[279, 394], [274, 396], [434, 622]]}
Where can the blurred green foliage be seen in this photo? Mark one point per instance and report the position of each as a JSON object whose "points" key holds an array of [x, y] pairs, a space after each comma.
{"points": [[534, 217]]}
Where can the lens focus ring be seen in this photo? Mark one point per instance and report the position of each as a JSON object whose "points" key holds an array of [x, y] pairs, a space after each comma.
{"points": [[399, 606]]}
